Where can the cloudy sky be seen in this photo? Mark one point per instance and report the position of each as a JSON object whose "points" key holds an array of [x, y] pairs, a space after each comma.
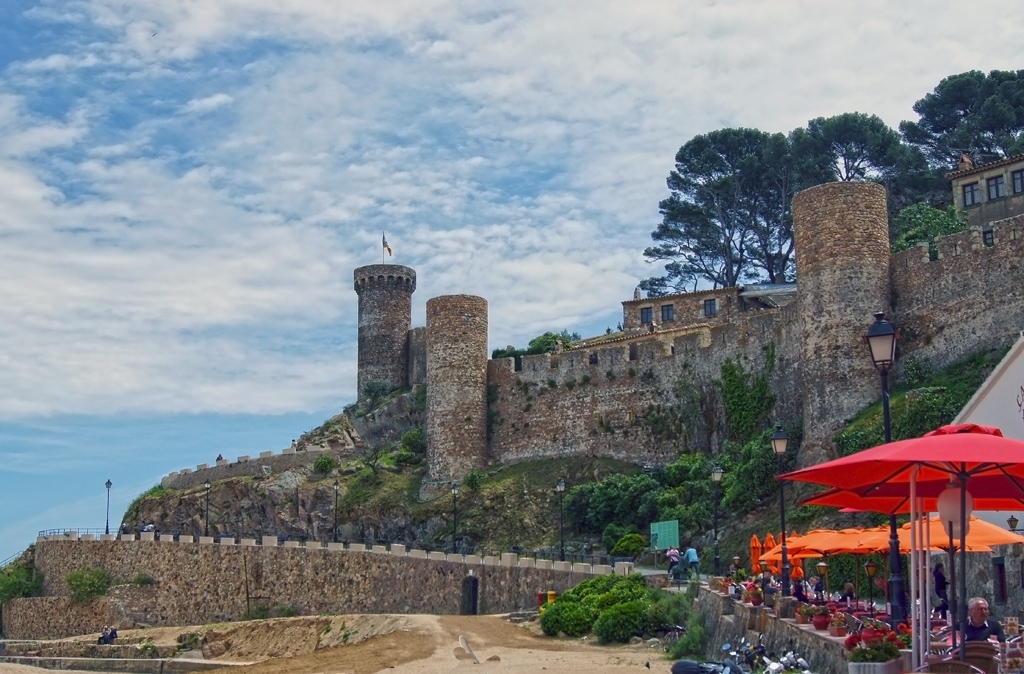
{"points": [[186, 187]]}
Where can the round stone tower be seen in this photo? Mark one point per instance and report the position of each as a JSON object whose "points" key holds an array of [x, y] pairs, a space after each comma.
{"points": [[456, 426], [385, 315], [841, 235]]}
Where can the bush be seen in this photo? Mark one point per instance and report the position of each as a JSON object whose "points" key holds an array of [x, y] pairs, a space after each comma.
{"points": [[630, 545], [613, 532], [286, 611], [16, 581], [622, 622], [473, 480], [86, 584], [257, 612], [567, 617], [141, 579], [414, 440], [694, 641], [324, 464], [668, 609], [404, 457]]}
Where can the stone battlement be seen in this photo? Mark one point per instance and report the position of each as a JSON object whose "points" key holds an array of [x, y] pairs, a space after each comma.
{"points": [[267, 463]]}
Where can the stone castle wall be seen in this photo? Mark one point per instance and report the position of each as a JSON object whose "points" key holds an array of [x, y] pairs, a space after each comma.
{"points": [[598, 401], [201, 583], [456, 386], [841, 233], [969, 299], [385, 315]]}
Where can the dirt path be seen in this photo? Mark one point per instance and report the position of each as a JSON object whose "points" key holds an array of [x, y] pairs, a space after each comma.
{"points": [[401, 644]]}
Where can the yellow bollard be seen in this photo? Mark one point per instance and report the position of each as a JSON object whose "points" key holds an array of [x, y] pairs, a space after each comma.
{"points": [[551, 596]]}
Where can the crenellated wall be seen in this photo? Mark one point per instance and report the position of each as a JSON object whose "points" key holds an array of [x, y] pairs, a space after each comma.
{"points": [[597, 401], [209, 582], [969, 299]]}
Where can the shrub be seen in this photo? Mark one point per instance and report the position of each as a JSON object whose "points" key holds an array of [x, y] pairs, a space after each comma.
{"points": [[622, 622], [141, 579], [16, 580], [630, 545], [404, 457], [473, 480], [613, 532], [694, 641], [668, 609], [257, 612], [568, 617], [414, 440], [286, 611], [325, 463], [86, 584]]}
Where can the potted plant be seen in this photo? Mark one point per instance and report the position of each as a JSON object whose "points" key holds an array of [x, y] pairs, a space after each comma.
{"points": [[756, 596], [821, 618], [878, 655], [837, 624], [804, 613]]}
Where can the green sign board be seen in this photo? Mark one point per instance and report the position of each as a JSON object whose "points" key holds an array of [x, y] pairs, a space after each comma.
{"points": [[664, 535]]}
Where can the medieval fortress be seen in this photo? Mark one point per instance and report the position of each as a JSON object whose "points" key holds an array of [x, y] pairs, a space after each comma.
{"points": [[607, 396]]}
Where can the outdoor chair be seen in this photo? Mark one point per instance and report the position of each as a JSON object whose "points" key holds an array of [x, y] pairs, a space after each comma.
{"points": [[950, 666]]}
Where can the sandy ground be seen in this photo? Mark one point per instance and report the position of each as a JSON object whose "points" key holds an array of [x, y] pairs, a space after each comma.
{"points": [[401, 644]]}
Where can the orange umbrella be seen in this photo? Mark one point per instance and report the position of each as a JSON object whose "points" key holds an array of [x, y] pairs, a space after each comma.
{"points": [[980, 536], [769, 542], [755, 551]]}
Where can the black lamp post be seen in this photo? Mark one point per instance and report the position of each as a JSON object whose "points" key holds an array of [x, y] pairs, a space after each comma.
{"points": [[455, 512], [106, 529], [560, 488], [881, 339], [206, 531], [337, 488], [822, 568], [716, 477], [779, 442], [870, 568], [1012, 522]]}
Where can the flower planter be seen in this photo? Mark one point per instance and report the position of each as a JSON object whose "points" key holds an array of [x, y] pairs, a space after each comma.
{"points": [[837, 631], [821, 621], [756, 601], [801, 619], [891, 667]]}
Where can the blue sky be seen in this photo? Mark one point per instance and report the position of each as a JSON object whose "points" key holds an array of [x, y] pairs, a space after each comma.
{"points": [[187, 187]]}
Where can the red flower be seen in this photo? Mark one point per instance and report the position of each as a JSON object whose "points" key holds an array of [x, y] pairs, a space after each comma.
{"points": [[852, 641]]}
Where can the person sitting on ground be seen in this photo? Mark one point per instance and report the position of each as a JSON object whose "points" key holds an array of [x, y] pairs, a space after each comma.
{"points": [[979, 626], [103, 636]]}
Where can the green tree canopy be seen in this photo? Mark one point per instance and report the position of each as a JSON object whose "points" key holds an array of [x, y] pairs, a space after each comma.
{"points": [[971, 113], [922, 223], [728, 216]]}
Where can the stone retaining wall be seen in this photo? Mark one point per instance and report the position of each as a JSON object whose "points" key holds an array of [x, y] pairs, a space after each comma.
{"points": [[206, 582], [729, 621]]}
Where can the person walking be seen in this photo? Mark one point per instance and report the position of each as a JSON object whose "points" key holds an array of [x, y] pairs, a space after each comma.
{"points": [[692, 561], [673, 559], [939, 577]]}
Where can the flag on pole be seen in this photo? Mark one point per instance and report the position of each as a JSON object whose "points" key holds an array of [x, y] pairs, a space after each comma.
{"points": [[387, 246]]}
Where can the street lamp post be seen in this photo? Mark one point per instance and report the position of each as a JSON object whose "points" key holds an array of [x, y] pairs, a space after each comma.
{"points": [[779, 442], [716, 477], [337, 488], [455, 512], [822, 567], [1012, 522], [870, 568], [560, 488], [106, 529], [881, 339], [206, 530]]}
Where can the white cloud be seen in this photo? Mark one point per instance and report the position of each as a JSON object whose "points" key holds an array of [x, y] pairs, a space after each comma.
{"points": [[156, 257], [200, 105]]}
